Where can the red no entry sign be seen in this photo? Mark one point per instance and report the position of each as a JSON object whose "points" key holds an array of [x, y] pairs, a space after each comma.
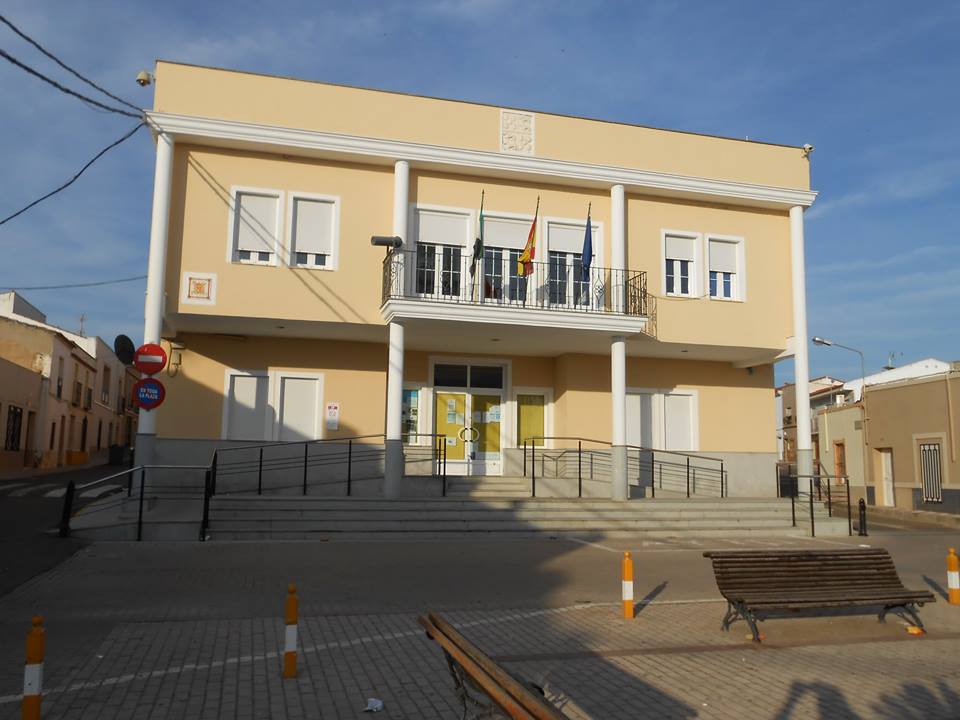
{"points": [[150, 359], [148, 393]]}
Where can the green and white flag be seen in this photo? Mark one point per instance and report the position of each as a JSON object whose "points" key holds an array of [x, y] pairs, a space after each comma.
{"points": [[478, 242]]}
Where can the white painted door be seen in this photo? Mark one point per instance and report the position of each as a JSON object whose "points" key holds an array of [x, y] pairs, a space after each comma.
{"points": [[247, 407], [886, 472], [641, 427], [678, 418], [298, 409]]}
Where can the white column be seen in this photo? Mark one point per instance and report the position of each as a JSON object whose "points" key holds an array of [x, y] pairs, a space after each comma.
{"points": [[395, 383], [618, 244], [618, 394], [156, 269], [801, 346], [401, 197], [393, 461]]}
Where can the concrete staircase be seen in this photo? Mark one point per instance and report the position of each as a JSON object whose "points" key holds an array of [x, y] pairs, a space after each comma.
{"points": [[488, 487], [240, 517]]}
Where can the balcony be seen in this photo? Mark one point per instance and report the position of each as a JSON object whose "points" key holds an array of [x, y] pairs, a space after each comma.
{"points": [[442, 282]]}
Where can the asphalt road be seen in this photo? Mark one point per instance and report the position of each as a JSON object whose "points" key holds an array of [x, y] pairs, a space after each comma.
{"points": [[30, 508]]}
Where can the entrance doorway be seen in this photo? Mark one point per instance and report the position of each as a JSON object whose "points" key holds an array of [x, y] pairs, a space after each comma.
{"points": [[468, 411], [886, 473]]}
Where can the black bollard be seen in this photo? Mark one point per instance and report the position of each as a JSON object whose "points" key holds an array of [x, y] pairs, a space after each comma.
{"points": [[863, 518]]}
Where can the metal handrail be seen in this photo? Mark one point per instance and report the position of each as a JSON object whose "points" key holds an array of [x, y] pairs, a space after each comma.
{"points": [[72, 489], [690, 471], [448, 274]]}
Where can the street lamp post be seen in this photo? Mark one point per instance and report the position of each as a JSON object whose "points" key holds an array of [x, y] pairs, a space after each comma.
{"points": [[863, 397]]}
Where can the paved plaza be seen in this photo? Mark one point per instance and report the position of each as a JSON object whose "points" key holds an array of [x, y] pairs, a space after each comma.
{"points": [[170, 630]]}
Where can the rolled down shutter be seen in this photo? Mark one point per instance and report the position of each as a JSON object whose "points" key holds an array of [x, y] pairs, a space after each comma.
{"points": [[723, 256], [313, 226], [505, 232], [256, 222], [442, 228], [680, 248]]}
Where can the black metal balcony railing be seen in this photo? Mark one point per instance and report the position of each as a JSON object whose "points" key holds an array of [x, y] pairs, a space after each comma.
{"points": [[447, 274]]}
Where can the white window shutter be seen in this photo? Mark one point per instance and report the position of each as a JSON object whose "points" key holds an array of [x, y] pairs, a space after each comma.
{"points": [[256, 222], [506, 232], [442, 228], [680, 248], [565, 237], [313, 226], [723, 256]]}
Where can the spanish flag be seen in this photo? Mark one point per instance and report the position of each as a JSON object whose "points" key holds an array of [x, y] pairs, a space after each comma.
{"points": [[525, 261]]}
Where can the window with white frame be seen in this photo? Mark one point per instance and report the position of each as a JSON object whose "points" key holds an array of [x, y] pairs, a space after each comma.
{"points": [[725, 275], [567, 282], [504, 239], [441, 236], [680, 253], [314, 223], [256, 223]]}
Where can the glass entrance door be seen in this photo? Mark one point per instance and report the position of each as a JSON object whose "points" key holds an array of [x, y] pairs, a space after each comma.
{"points": [[486, 421], [450, 417], [472, 425]]}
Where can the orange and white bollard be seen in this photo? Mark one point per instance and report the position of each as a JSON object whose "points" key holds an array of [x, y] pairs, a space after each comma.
{"points": [[33, 671], [953, 578], [290, 638], [627, 572]]}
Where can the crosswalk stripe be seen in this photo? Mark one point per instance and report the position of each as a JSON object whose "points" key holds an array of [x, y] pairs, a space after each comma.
{"points": [[31, 489], [102, 490], [59, 492], [11, 486]]}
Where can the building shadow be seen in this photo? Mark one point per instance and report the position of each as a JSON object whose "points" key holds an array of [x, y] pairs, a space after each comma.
{"points": [[917, 702], [830, 701]]}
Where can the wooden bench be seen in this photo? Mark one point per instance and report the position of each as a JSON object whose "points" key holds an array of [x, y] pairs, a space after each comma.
{"points": [[481, 684], [758, 581]]}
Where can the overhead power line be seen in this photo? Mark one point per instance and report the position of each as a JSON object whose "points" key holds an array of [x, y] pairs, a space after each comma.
{"points": [[26, 68], [78, 285], [74, 178], [66, 67]]}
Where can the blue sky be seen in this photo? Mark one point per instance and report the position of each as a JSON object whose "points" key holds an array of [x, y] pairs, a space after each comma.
{"points": [[873, 85]]}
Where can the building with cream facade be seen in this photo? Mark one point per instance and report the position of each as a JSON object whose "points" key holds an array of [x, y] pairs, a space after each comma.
{"points": [[64, 397], [284, 322]]}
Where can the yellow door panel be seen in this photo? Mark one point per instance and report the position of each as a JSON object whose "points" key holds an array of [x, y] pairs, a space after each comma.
{"points": [[486, 420], [449, 414]]}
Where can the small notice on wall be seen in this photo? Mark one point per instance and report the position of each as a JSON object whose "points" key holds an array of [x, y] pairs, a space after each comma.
{"points": [[333, 416]]}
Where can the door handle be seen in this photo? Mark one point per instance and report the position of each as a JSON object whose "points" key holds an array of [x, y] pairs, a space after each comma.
{"points": [[475, 434]]}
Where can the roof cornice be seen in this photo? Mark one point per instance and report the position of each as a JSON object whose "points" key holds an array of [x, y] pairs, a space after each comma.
{"points": [[292, 141]]}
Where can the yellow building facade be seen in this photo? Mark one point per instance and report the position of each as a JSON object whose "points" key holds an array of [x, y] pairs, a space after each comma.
{"points": [[285, 321]]}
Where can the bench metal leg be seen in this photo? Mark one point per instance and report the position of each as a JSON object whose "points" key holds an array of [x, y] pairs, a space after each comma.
{"points": [[910, 610], [728, 617], [735, 610]]}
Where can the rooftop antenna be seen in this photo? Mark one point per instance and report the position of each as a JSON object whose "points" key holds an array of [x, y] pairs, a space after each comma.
{"points": [[83, 319], [891, 357]]}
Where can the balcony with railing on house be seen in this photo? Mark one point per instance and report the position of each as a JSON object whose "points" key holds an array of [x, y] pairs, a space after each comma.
{"points": [[444, 274]]}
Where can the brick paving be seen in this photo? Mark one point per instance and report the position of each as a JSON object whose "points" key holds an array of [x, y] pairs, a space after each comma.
{"points": [[193, 645], [671, 661]]}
